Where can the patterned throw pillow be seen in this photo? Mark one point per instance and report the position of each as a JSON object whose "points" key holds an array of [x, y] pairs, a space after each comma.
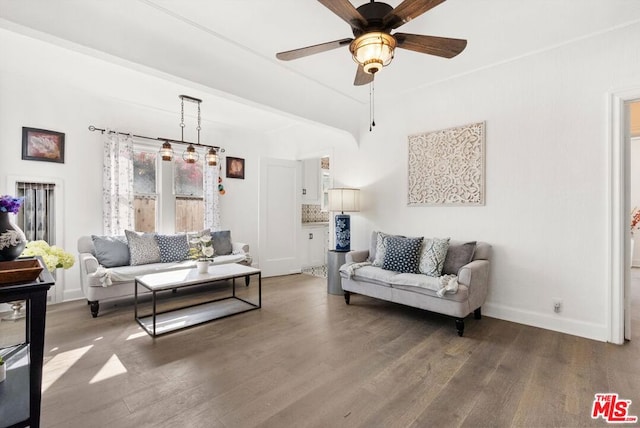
{"points": [[457, 256], [222, 242], [173, 248], [143, 248], [381, 249], [402, 254], [433, 254]]}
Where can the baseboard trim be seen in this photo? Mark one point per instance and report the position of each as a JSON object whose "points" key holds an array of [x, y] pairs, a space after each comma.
{"points": [[554, 322]]}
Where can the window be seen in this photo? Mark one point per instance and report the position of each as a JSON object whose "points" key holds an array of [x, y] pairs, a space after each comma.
{"points": [[189, 194], [37, 218], [145, 190], [175, 188]]}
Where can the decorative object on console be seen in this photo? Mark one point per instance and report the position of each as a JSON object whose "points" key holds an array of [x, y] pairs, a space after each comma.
{"points": [[190, 155], [341, 200], [12, 239], [447, 167], [235, 168], [53, 256], [42, 145]]}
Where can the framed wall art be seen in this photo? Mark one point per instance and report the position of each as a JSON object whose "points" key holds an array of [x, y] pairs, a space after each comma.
{"points": [[42, 145], [235, 167], [447, 167]]}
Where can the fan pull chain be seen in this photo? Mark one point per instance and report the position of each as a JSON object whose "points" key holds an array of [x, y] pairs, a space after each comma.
{"points": [[372, 107]]}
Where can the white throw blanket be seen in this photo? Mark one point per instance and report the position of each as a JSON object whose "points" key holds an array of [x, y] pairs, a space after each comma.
{"points": [[104, 275], [448, 284], [350, 269]]}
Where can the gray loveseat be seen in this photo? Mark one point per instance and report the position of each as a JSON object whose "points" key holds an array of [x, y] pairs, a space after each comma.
{"points": [[109, 265], [459, 289]]}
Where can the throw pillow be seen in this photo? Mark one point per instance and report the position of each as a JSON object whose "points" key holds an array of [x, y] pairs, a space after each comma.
{"points": [[458, 256], [173, 248], [402, 254], [381, 249], [143, 248], [111, 251], [222, 242], [433, 254]]}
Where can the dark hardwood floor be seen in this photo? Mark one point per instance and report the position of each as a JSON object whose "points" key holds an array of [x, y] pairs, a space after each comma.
{"points": [[308, 360]]}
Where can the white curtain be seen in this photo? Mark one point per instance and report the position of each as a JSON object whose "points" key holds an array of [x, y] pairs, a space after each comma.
{"points": [[211, 196], [117, 184]]}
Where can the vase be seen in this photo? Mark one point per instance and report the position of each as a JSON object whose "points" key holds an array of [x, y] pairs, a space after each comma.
{"points": [[203, 266], [3, 372], [12, 239]]}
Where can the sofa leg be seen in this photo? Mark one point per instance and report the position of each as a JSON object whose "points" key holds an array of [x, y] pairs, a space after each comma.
{"points": [[247, 279], [477, 314], [460, 326], [347, 297], [95, 307]]}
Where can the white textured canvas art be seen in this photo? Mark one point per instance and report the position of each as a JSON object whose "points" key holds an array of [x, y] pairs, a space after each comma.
{"points": [[446, 167]]}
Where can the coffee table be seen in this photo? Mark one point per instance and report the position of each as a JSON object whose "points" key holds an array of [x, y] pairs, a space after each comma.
{"points": [[159, 323]]}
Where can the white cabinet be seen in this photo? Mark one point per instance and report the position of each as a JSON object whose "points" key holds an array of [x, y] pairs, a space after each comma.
{"points": [[314, 242], [311, 181]]}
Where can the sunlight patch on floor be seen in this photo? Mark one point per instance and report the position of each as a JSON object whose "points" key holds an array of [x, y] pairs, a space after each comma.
{"points": [[59, 364], [113, 367]]}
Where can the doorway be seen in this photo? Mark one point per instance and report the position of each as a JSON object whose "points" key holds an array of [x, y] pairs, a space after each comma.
{"points": [[619, 215]]}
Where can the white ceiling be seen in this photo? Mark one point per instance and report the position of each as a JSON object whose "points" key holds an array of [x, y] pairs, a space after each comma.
{"points": [[230, 45]]}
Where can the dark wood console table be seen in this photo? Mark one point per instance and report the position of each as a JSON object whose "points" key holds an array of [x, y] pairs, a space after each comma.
{"points": [[20, 393]]}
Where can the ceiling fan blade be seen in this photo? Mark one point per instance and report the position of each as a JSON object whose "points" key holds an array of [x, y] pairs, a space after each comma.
{"points": [[439, 46], [406, 11], [362, 77], [310, 50], [345, 10]]}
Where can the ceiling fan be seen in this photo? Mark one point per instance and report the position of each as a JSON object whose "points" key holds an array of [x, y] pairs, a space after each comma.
{"points": [[374, 44]]}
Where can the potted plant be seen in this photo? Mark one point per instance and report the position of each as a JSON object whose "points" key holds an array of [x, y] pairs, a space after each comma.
{"points": [[3, 370], [202, 252]]}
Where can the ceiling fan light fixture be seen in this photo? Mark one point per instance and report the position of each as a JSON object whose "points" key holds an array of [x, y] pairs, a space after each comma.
{"points": [[373, 50]]}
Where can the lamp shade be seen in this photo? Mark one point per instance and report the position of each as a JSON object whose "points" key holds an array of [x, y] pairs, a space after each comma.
{"points": [[373, 50], [344, 199]]}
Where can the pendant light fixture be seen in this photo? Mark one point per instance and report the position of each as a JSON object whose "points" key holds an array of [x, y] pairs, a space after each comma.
{"points": [[190, 155]]}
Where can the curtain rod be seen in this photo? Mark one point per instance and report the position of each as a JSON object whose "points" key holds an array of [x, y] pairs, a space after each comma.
{"points": [[169, 140]]}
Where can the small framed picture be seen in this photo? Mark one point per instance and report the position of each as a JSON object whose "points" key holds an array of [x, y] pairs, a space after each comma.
{"points": [[42, 145], [235, 167]]}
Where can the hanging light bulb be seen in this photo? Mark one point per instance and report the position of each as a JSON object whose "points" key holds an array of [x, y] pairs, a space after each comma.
{"points": [[166, 152], [212, 157], [190, 155]]}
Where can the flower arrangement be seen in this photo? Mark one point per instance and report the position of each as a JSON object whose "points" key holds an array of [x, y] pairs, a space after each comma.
{"points": [[53, 256], [9, 204], [201, 248], [635, 219]]}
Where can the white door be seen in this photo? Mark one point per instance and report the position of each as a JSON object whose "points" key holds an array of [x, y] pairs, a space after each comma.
{"points": [[280, 217]]}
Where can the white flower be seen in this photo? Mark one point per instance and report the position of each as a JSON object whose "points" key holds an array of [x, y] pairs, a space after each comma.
{"points": [[207, 251]]}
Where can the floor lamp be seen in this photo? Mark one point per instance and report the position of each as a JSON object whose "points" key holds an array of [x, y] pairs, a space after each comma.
{"points": [[341, 200]]}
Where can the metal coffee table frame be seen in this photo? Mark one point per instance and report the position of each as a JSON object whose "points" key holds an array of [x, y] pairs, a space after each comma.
{"points": [[209, 310]]}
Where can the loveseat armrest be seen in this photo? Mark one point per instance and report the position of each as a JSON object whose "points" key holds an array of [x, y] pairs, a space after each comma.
{"points": [[88, 263], [475, 275], [237, 247], [358, 256]]}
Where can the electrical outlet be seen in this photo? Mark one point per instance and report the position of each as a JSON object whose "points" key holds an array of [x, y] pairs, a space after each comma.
{"points": [[557, 305]]}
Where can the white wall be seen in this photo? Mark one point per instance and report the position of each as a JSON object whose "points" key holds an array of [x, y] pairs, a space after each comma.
{"points": [[546, 175], [45, 86]]}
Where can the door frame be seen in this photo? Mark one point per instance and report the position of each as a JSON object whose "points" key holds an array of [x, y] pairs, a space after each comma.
{"points": [[619, 208]]}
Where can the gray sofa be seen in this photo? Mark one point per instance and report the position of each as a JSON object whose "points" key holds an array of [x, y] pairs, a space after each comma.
{"points": [[459, 291], [116, 279]]}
